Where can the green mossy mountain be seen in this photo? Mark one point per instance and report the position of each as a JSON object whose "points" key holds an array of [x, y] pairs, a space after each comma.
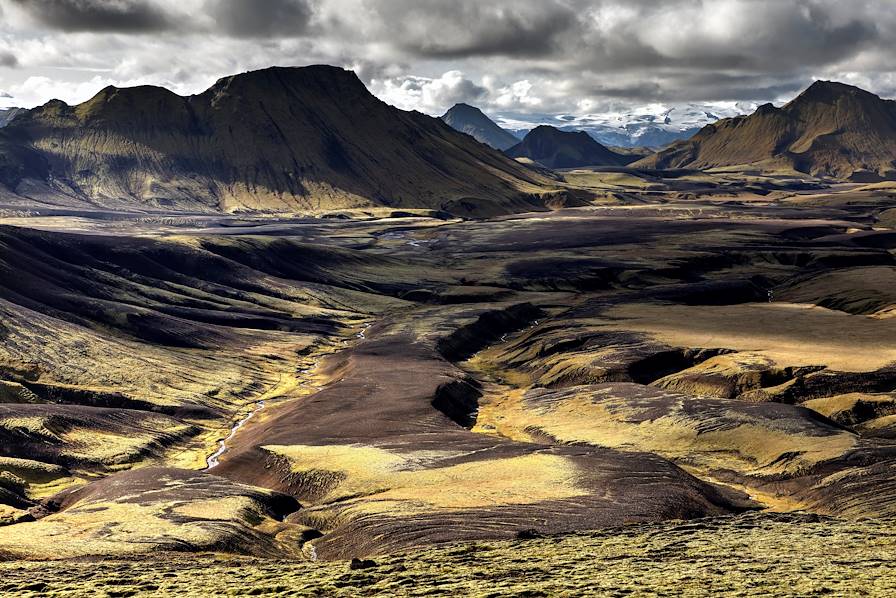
{"points": [[278, 139], [830, 130]]}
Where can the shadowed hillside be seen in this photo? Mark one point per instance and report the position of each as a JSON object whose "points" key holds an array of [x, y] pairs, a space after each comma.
{"points": [[554, 148]]}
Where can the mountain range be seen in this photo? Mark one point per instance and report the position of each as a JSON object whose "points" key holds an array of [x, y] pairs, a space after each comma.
{"points": [[639, 126], [553, 148], [314, 138], [470, 120], [829, 130], [278, 139]]}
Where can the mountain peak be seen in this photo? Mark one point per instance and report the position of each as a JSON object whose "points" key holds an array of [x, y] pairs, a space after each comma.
{"points": [[463, 107], [829, 91], [550, 131], [554, 148], [323, 72], [472, 121], [326, 79]]}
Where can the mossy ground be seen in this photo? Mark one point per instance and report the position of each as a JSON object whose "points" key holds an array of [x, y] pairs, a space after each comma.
{"points": [[747, 555]]}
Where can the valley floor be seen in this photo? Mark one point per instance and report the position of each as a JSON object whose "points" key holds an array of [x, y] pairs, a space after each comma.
{"points": [[690, 387]]}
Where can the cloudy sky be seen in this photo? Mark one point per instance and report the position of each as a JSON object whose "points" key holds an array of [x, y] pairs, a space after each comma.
{"points": [[511, 57]]}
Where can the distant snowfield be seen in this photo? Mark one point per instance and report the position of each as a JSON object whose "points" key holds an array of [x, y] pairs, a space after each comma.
{"points": [[651, 125], [6, 115]]}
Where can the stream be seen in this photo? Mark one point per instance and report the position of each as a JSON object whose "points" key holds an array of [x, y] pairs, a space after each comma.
{"points": [[213, 460]]}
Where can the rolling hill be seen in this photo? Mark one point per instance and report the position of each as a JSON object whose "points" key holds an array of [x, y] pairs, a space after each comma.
{"points": [[278, 139], [830, 130], [554, 148], [471, 120]]}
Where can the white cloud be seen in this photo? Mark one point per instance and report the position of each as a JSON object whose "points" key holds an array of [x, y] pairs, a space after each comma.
{"points": [[39, 89], [426, 94]]}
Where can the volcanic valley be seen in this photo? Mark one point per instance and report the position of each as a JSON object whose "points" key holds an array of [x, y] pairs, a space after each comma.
{"points": [[282, 338]]}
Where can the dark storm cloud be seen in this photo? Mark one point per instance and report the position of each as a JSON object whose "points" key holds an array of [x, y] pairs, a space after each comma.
{"points": [[254, 18], [8, 59], [451, 30], [747, 86], [126, 16], [637, 49], [614, 35], [725, 35], [516, 55]]}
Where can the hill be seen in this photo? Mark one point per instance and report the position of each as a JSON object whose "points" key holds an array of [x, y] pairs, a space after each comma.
{"points": [[829, 130], [554, 148], [471, 120], [278, 139]]}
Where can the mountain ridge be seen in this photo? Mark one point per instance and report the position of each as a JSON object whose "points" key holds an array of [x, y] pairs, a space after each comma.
{"points": [[831, 129]]}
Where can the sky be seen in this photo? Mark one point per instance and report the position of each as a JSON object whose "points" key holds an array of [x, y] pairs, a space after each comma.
{"points": [[518, 58]]}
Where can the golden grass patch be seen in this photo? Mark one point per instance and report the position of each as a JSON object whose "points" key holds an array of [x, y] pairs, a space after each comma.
{"points": [[839, 406], [749, 446], [789, 334], [220, 509], [414, 482]]}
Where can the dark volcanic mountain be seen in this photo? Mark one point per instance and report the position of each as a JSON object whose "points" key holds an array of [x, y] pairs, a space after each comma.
{"points": [[471, 120], [554, 148], [831, 129], [275, 139]]}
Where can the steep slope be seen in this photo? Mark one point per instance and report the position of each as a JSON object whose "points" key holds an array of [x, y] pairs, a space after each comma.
{"points": [[554, 148], [470, 120], [7, 114], [831, 129], [274, 139]]}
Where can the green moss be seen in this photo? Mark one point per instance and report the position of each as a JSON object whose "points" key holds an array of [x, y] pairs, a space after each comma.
{"points": [[749, 555]]}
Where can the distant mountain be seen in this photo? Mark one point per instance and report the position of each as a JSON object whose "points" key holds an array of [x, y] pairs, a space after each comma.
{"points": [[554, 148], [651, 125], [277, 139], [7, 114], [470, 120], [831, 129]]}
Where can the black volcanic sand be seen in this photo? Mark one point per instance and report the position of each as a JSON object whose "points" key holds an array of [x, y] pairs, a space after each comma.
{"points": [[428, 381]]}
